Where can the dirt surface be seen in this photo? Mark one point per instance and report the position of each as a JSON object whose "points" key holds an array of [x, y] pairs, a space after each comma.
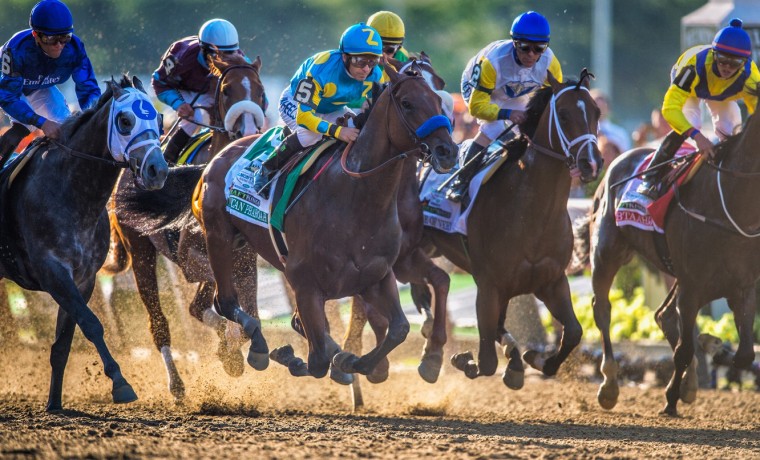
{"points": [[273, 415]]}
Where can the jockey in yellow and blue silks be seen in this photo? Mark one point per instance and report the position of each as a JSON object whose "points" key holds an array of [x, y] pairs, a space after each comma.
{"points": [[719, 74], [320, 91], [32, 63], [497, 83]]}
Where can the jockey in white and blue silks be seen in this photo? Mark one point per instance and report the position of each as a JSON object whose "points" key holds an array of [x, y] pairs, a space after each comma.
{"points": [[32, 63]]}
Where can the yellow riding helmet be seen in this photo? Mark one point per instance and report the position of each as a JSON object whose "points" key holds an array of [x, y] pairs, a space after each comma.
{"points": [[390, 26]]}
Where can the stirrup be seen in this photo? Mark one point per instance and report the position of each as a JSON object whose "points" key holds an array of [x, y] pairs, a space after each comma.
{"points": [[648, 189], [456, 192], [262, 181]]}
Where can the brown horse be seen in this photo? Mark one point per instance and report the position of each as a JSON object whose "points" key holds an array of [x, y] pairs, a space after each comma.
{"points": [[239, 103], [709, 234], [346, 245], [519, 237]]}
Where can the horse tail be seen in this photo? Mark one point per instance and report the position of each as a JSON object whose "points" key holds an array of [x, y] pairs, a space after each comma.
{"points": [[118, 259], [152, 211], [582, 244]]}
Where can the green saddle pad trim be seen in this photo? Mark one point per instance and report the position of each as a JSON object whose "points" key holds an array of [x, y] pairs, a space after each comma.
{"points": [[277, 217]]}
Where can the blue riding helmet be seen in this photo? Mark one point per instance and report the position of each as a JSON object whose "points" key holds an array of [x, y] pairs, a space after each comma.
{"points": [[733, 40], [530, 26], [51, 17], [361, 39]]}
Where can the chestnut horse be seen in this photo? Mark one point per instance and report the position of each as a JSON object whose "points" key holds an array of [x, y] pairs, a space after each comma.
{"points": [[344, 234], [238, 111], [60, 245], [519, 238], [711, 235]]}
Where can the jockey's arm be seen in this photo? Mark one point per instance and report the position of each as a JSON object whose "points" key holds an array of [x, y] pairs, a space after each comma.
{"points": [[11, 102], [750, 100], [556, 69], [308, 96], [480, 101], [85, 83], [672, 108]]}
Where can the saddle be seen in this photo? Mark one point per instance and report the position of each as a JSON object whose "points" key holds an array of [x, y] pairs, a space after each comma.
{"points": [[196, 143]]}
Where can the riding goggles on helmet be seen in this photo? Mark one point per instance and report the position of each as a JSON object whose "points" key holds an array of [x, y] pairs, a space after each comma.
{"points": [[53, 39], [361, 61], [728, 60], [391, 49], [537, 48]]}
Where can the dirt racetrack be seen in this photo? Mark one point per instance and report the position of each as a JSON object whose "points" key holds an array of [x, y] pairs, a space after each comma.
{"points": [[273, 415]]}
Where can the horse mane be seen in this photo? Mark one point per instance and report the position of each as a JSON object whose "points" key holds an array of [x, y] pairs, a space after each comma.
{"points": [[217, 64], [75, 121]]}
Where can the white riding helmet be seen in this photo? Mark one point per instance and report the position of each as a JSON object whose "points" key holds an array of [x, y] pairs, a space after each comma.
{"points": [[219, 34]]}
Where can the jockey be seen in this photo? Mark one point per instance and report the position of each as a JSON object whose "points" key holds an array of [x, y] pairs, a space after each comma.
{"points": [[183, 80], [719, 74], [496, 85], [319, 92], [392, 31], [32, 63]]}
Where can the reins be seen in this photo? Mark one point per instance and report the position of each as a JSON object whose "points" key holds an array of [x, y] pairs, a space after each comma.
{"points": [[86, 156]]}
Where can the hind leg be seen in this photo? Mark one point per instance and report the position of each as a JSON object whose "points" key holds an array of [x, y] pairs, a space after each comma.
{"points": [[684, 350], [743, 305], [669, 321], [59, 356], [219, 239], [557, 299], [489, 309], [144, 268]]}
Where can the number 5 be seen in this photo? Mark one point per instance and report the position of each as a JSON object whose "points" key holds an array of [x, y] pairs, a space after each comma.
{"points": [[304, 91]]}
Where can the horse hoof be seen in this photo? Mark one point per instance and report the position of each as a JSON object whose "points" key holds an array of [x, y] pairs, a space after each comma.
{"points": [[344, 361], [123, 394], [282, 355], [342, 378], [258, 361], [377, 377], [54, 408], [298, 368], [608, 396], [514, 380], [460, 360], [177, 390], [430, 367], [534, 359], [690, 384], [233, 363], [669, 411]]}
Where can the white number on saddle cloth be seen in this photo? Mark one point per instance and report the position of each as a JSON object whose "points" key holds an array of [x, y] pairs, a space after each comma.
{"points": [[123, 138]]}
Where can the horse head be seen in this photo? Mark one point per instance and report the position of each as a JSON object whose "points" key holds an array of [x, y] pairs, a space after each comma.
{"points": [[133, 132], [239, 98], [573, 121], [420, 123]]}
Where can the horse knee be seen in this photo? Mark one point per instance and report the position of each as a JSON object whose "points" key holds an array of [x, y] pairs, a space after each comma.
{"points": [[571, 334]]}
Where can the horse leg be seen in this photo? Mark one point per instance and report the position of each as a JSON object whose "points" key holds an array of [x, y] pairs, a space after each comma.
{"points": [[601, 281], [383, 297], [743, 305], [59, 356], [57, 281], [219, 237], [557, 299], [379, 325], [422, 299], [352, 343], [314, 324], [684, 353], [144, 268], [669, 321], [200, 308], [488, 307]]}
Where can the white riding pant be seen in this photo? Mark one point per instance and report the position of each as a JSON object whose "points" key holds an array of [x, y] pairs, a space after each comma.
{"points": [[203, 104], [726, 115], [49, 103], [288, 111]]}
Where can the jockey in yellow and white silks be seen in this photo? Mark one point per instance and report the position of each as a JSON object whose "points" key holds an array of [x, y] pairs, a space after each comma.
{"points": [[320, 91], [497, 83], [719, 74]]}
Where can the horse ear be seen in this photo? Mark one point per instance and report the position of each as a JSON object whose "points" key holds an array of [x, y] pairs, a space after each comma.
{"points": [[556, 85], [391, 72], [116, 89], [137, 83], [257, 63], [424, 57], [586, 77]]}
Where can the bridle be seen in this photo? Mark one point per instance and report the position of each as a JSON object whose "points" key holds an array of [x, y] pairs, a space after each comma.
{"points": [[417, 135]]}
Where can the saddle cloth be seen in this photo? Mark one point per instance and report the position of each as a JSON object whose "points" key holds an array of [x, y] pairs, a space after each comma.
{"points": [[634, 209], [443, 214], [196, 143]]}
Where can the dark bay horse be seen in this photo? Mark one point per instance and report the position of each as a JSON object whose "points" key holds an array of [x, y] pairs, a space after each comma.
{"points": [[711, 234], [344, 234], [519, 237], [54, 232], [238, 111]]}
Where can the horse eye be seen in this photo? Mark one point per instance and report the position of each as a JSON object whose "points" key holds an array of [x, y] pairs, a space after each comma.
{"points": [[406, 104], [125, 121]]}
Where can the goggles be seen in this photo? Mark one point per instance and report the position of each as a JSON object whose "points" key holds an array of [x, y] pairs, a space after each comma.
{"points": [[53, 39], [391, 49], [728, 60], [360, 62], [524, 47]]}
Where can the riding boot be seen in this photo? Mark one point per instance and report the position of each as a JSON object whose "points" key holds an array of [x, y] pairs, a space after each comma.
{"points": [[175, 145], [472, 162], [667, 150], [284, 152], [10, 140]]}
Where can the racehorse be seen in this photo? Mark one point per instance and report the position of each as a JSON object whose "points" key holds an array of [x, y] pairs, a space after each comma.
{"points": [[60, 245], [238, 111], [348, 245], [412, 265], [519, 237], [710, 235]]}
